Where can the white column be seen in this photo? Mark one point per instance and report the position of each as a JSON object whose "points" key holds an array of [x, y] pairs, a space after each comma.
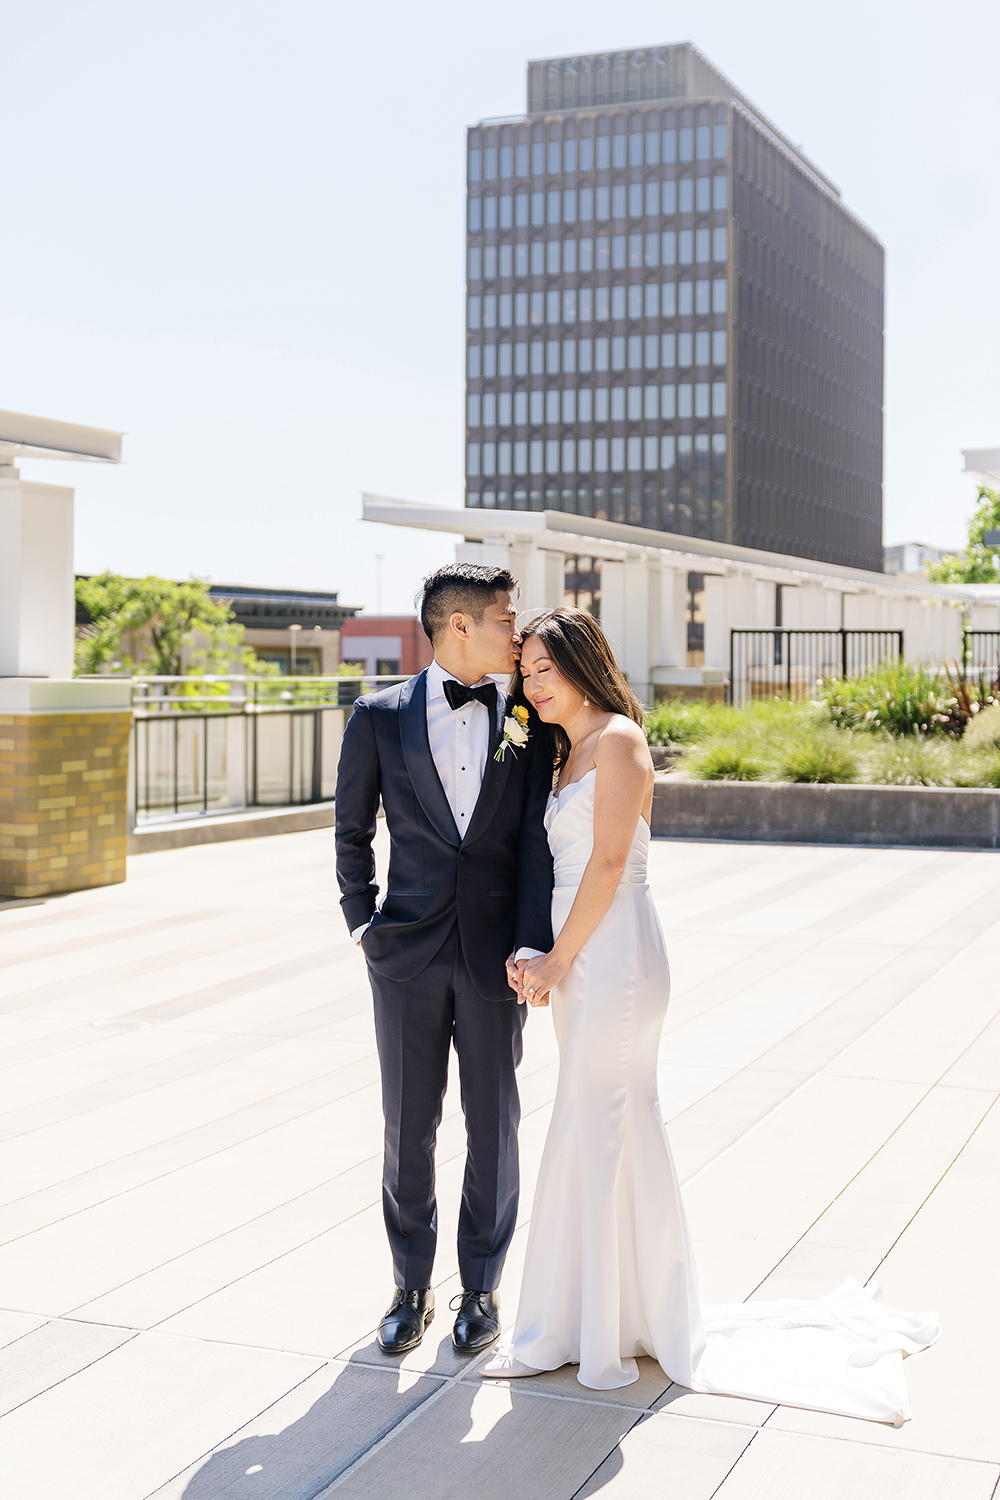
{"points": [[948, 628], [613, 605], [763, 604], [673, 619], [932, 632], [555, 578], [37, 596], [491, 553], [541, 574], [984, 616], [642, 625], [730, 603]]}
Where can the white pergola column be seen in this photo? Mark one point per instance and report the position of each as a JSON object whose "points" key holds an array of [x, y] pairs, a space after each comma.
{"points": [[613, 605], [541, 574], [730, 603], [673, 618], [37, 597], [643, 612]]}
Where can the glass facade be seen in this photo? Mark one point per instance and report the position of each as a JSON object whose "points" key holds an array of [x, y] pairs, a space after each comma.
{"points": [[807, 392], [672, 323]]}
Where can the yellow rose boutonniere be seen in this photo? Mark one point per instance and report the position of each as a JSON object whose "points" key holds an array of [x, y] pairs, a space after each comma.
{"points": [[515, 731]]}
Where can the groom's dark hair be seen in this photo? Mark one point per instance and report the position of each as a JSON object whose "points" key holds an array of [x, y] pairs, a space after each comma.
{"points": [[463, 587]]}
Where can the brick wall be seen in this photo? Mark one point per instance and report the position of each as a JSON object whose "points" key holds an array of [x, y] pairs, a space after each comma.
{"points": [[63, 785]]}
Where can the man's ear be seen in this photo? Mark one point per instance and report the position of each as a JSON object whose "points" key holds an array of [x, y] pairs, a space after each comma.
{"points": [[459, 623]]}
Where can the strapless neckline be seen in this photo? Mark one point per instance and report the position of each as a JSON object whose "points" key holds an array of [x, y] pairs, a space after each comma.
{"points": [[578, 782], [559, 800]]}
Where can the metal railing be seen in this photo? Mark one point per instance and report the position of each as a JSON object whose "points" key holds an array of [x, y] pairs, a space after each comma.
{"points": [[783, 662], [217, 744], [981, 656]]}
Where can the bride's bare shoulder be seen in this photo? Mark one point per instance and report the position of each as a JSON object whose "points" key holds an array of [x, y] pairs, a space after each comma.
{"points": [[621, 740]]}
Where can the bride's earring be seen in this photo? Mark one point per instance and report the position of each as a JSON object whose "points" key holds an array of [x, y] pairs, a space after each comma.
{"points": [[586, 701]]}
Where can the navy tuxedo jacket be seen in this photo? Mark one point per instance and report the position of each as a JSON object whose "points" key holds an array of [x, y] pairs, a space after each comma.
{"points": [[497, 882]]}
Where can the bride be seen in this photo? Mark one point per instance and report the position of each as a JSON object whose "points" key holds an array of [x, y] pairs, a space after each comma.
{"points": [[609, 1273]]}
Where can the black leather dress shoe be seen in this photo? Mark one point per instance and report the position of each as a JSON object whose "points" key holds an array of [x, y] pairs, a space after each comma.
{"points": [[407, 1316], [478, 1323]]}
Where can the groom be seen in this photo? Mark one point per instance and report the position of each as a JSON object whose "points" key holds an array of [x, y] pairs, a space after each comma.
{"points": [[469, 884]]}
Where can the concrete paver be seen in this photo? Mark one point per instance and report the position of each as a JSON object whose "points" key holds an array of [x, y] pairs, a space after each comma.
{"points": [[192, 1262]]}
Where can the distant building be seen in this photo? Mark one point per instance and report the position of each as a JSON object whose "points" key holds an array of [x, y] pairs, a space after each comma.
{"points": [[983, 464], [299, 627], [673, 321], [282, 625], [385, 645], [908, 558]]}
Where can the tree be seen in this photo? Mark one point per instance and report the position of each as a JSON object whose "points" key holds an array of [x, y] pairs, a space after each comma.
{"points": [[144, 624], [978, 563]]}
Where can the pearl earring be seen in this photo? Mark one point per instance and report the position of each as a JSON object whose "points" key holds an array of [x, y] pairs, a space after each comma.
{"points": [[586, 701]]}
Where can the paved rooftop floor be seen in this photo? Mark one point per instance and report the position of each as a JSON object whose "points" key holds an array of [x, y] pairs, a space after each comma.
{"points": [[192, 1262]]}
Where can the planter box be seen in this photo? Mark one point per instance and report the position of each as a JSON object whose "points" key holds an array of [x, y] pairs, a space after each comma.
{"points": [[250, 823], [919, 816]]}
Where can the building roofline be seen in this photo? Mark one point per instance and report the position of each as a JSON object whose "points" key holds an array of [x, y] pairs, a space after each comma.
{"points": [[248, 591], [24, 436], [618, 539], [735, 95]]}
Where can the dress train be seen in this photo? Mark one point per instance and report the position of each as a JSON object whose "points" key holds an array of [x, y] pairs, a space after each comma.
{"points": [[609, 1273]]}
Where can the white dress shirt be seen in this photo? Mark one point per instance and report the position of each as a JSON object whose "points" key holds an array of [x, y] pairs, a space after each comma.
{"points": [[460, 742]]}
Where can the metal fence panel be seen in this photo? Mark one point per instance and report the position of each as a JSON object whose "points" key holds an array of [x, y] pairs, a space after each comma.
{"points": [[782, 662], [981, 656], [215, 743]]}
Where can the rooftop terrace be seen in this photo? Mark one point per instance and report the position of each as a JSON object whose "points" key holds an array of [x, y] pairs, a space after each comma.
{"points": [[192, 1259]]}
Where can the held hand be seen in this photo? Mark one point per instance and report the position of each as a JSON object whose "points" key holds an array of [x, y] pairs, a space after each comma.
{"points": [[516, 966], [540, 975]]}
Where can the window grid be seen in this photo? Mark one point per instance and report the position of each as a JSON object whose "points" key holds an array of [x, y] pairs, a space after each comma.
{"points": [[577, 337]]}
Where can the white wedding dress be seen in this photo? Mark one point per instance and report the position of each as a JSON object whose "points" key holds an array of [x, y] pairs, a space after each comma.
{"points": [[609, 1272]]}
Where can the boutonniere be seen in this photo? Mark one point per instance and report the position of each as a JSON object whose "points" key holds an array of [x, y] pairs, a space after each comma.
{"points": [[515, 731]]}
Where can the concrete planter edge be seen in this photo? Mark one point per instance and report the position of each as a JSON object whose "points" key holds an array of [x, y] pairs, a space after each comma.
{"points": [[770, 812]]}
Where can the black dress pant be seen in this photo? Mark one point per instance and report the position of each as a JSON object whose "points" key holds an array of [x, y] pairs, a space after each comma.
{"points": [[415, 1024]]}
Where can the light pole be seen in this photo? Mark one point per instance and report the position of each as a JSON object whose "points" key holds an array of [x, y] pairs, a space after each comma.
{"points": [[293, 631]]}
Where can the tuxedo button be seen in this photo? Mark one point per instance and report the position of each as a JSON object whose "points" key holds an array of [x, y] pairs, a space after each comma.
{"points": [[463, 858]]}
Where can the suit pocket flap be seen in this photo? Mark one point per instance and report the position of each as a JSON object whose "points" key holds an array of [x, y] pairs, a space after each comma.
{"points": [[405, 906]]}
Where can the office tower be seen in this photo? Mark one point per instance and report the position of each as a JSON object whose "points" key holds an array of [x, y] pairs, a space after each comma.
{"points": [[673, 321]]}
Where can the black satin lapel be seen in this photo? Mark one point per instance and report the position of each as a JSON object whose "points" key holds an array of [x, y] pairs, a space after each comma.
{"points": [[494, 777], [419, 761]]}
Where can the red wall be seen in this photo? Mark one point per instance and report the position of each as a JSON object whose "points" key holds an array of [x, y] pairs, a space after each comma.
{"points": [[416, 648]]}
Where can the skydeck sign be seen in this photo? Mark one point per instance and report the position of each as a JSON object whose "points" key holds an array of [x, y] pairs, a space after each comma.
{"points": [[607, 78]]}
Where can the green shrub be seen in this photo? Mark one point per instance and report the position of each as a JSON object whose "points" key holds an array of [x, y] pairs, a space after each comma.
{"points": [[674, 723], [915, 761], [820, 758], [983, 731], [901, 698], [980, 769], [725, 760]]}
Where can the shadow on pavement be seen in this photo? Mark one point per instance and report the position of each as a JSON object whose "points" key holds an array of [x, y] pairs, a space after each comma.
{"points": [[535, 1450]]}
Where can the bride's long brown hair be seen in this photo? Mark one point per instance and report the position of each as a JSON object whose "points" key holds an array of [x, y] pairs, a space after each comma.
{"points": [[581, 653]]}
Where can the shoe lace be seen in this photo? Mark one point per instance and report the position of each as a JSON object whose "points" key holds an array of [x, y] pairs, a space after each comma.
{"points": [[407, 1297], [459, 1302]]}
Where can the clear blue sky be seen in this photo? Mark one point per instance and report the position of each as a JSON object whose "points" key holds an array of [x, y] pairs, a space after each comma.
{"points": [[235, 230]]}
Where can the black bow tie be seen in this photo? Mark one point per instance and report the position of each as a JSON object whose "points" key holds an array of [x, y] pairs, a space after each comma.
{"points": [[458, 695]]}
